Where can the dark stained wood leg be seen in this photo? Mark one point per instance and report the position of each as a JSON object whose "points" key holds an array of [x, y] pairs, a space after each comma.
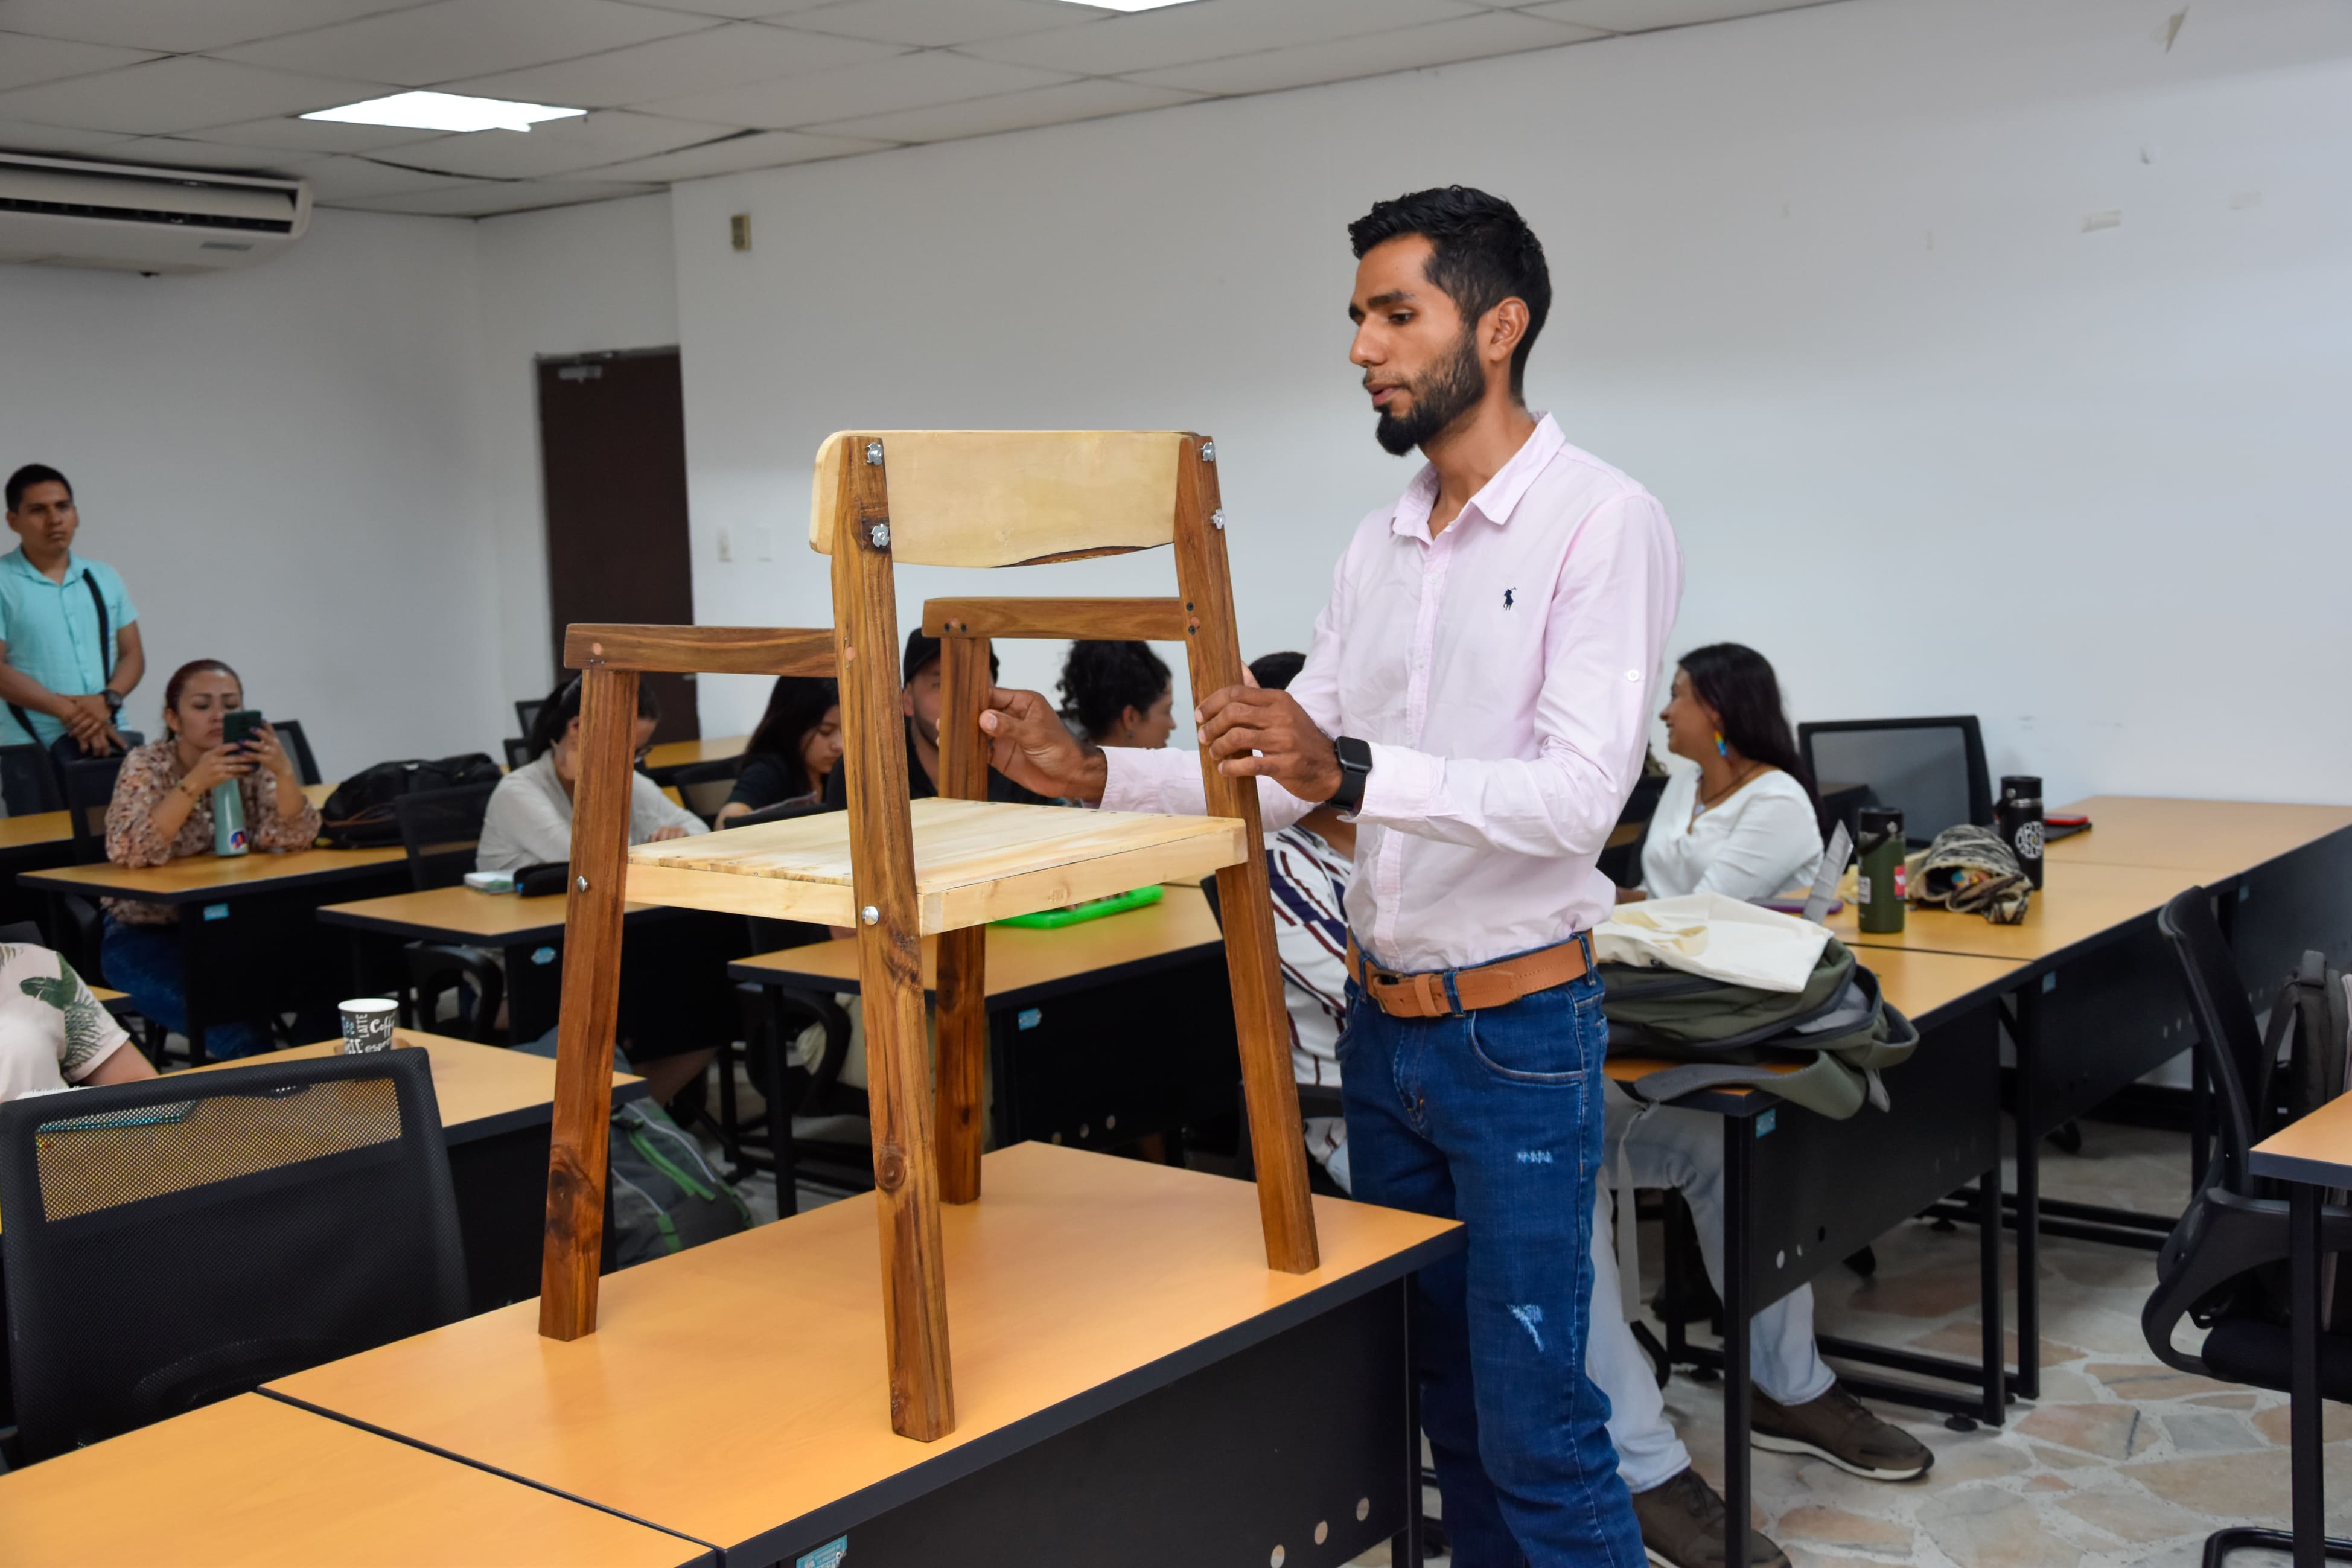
{"points": [[590, 1007], [963, 955]]}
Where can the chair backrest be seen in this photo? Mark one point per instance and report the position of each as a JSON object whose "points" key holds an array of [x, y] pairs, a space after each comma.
{"points": [[440, 829], [90, 790], [1008, 497], [527, 712], [2229, 1039], [704, 786], [1931, 770], [28, 779], [297, 746], [518, 751], [178, 1240]]}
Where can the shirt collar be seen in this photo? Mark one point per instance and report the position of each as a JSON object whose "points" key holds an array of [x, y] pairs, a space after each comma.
{"points": [[15, 560], [1496, 499]]}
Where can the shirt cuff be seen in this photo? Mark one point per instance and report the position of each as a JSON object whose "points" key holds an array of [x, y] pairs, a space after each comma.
{"points": [[1404, 786], [1129, 781]]}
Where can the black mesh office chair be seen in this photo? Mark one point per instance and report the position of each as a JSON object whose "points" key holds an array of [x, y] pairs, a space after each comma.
{"points": [[1931, 770], [2224, 1266], [518, 751], [297, 746], [704, 786], [441, 829], [175, 1241], [29, 780], [527, 712], [88, 784]]}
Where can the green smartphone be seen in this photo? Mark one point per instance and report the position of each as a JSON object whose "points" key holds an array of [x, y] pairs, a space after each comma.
{"points": [[241, 725]]}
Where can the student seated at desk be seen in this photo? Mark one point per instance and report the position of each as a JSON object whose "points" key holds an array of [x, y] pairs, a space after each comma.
{"points": [[529, 819], [794, 750], [53, 1035], [1743, 824], [1118, 694], [162, 811], [919, 700]]}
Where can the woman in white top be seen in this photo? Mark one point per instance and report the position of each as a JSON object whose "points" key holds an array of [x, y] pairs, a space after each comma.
{"points": [[529, 819], [1744, 822]]}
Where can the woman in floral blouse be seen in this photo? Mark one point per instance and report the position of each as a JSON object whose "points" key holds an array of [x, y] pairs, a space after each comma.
{"points": [[163, 810]]}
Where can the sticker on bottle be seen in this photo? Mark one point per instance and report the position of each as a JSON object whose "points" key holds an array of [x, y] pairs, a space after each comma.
{"points": [[1899, 879], [1862, 889]]}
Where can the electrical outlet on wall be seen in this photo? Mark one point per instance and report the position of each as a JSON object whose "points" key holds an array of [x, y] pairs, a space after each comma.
{"points": [[726, 546]]}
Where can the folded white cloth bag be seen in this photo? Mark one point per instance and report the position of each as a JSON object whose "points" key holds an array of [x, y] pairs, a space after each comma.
{"points": [[1707, 933]]}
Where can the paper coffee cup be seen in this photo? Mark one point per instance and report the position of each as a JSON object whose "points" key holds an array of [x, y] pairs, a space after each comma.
{"points": [[367, 1024]]}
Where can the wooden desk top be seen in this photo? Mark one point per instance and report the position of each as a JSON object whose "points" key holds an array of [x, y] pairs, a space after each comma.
{"points": [[200, 877], [56, 826], [459, 914], [1077, 1280], [253, 1482], [1021, 961], [481, 1090], [2212, 838], [685, 754], [2076, 903], [2317, 1149]]}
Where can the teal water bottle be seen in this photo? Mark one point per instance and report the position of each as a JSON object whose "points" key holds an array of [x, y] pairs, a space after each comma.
{"points": [[229, 819]]}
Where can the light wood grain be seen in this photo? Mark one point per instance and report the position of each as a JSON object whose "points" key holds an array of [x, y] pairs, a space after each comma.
{"points": [[1000, 498], [1075, 1270], [204, 873], [974, 861], [2075, 903], [1019, 959], [956, 962], [253, 1482], [879, 836], [2211, 838], [589, 1014], [36, 827], [457, 914], [1139, 620], [2315, 1149], [685, 754], [708, 650], [471, 1082]]}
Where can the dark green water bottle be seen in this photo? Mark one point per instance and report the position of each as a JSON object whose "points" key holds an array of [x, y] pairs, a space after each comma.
{"points": [[1878, 886]]}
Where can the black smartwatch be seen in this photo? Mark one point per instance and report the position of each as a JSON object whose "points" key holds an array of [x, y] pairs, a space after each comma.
{"points": [[1355, 768], [113, 700]]}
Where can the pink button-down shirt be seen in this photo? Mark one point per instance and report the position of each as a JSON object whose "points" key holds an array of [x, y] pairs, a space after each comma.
{"points": [[1503, 674]]}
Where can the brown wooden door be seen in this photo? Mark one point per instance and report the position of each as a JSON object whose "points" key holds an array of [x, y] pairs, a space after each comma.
{"points": [[611, 448]]}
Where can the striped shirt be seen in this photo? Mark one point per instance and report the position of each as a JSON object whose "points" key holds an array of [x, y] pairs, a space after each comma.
{"points": [[1309, 880]]}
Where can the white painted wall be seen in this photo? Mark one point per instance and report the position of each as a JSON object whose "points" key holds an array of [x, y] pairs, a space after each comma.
{"points": [[284, 465], [566, 281], [1826, 283]]}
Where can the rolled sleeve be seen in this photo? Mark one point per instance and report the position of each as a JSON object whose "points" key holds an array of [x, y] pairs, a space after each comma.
{"points": [[1405, 785]]}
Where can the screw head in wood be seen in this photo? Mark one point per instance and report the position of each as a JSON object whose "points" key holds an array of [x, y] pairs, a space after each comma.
{"points": [[873, 454], [869, 914], [1217, 520], [1208, 451], [879, 536], [583, 884]]}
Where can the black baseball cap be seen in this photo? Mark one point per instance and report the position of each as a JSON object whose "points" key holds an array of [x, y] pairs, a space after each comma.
{"points": [[923, 651]]}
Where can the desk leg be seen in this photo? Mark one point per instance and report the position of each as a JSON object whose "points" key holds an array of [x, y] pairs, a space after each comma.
{"points": [[188, 969], [779, 1110], [1996, 1355], [1405, 1546], [2025, 1029], [1738, 1193], [2304, 1418]]}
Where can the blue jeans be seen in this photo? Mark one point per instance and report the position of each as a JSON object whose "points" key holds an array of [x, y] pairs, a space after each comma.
{"points": [[145, 961], [1494, 1118]]}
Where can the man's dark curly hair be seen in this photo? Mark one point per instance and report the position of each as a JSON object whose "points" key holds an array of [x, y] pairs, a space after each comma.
{"points": [[1482, 254]]}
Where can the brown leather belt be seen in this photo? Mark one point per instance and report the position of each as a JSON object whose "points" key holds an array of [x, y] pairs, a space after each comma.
{"points": [[1448, 993]]}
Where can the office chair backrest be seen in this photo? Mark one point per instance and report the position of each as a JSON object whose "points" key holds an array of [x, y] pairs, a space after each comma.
{"points": [[441, 829], [1932, 769], [704, 786], [297, 746], [2228, 1037], [178, 1240], [28, 778], [90, 790], [1007, 497], [518, 752], [527, 712]]}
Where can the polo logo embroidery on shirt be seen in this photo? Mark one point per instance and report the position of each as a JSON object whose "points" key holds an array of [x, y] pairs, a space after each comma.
{"points": [[1506, 598]]}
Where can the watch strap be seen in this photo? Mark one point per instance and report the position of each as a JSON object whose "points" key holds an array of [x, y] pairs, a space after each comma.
{"points": [[1355, 771]]}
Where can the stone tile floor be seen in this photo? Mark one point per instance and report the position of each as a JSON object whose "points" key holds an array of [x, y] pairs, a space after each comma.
{"points": [[2121, 1463]]}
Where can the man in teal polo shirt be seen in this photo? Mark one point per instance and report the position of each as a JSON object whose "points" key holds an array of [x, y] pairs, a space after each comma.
{"points": [[69, 632]]}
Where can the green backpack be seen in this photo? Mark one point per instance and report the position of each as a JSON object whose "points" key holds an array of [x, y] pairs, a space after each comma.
{"points": [[1724, 1034], [666, 1197]]}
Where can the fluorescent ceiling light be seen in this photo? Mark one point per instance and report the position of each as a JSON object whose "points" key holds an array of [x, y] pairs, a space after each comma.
{"points": [[444, 111], [1128, 5]]}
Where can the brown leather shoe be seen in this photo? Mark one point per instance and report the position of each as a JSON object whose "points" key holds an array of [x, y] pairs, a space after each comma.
{"points": [[1836, 1427], [1681, 1527]]}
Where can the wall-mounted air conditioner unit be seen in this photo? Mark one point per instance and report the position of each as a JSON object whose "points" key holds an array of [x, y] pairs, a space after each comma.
{"points": [[72, 212]]}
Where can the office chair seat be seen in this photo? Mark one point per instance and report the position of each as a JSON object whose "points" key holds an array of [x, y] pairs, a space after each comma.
{"points": [[2261, 1355]]}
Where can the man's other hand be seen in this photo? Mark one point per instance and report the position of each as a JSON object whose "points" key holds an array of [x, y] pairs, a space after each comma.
{"points": [[1241, 719], [1028, 743]]}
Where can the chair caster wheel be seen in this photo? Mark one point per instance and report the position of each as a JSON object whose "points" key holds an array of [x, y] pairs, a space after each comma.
{"points": [[1960, 1423]]}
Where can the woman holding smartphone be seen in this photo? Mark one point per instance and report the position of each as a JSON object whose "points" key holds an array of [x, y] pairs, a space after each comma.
{"points": [[162, 811]]}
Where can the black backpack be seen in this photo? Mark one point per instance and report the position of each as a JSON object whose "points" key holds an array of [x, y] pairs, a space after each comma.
{"points": [[358, 814]]}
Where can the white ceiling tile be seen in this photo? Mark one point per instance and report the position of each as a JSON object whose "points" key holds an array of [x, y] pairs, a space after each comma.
{"points": [[25, 59], [485, 199], [54, 140], [760, 150], [187, 92], [730, 55], [338, 180], [903, 81], [1210, 29], [179, 27], [939, 23], [736, 9], [451, 40], [313, 138], [1086, 100], [556, 146], [1644, 15], [1399, 48]]}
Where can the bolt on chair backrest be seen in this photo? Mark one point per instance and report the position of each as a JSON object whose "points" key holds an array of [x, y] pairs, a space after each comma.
{"points": [[177, 1240]]}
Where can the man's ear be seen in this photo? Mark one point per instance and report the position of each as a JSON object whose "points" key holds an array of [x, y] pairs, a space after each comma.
{"points": [[1501, 329], [906, 702]]}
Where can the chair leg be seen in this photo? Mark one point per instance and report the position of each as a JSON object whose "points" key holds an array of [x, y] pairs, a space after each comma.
{"points": [[963, 1043]]}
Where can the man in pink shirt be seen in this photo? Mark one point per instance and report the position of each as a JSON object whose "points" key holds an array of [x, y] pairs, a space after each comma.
{"points": [[1477, 698]]}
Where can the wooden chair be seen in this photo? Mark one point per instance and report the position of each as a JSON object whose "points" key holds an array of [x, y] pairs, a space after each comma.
{"points": [[898, 872]]}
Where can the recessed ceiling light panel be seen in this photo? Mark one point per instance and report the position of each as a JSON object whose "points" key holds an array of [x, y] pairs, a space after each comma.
{"points": [[445, 111], [1128, 5]]}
